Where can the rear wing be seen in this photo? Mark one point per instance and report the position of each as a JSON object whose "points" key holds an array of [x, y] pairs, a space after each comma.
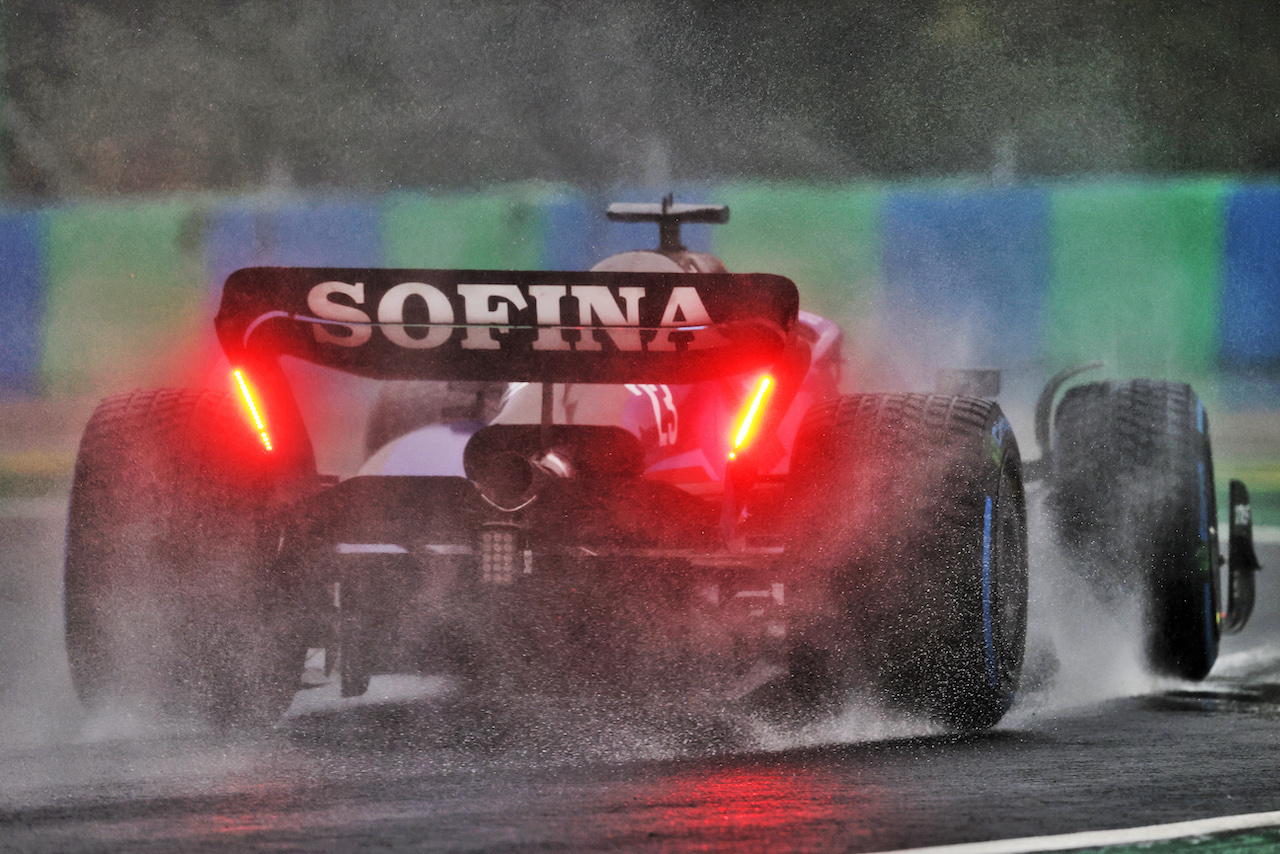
{"points": [[495, 325]]}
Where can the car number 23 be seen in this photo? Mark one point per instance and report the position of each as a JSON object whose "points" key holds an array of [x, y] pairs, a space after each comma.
{"points": [[664, 409]]}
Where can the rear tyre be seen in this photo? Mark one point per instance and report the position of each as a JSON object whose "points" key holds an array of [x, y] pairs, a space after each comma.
{"points": [[913, 514], [170, 600], [1133, 499]]}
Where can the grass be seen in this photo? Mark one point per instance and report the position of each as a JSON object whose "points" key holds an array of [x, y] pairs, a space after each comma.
{"points": [[1261, 841], [1263, 481]]}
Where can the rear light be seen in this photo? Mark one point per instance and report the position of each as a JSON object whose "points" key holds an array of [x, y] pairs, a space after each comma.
{"points": [[251, 406], [750, 417]]}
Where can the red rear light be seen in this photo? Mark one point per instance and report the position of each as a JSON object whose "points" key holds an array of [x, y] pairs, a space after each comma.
{"points": [[251, 406], [748, 420]]}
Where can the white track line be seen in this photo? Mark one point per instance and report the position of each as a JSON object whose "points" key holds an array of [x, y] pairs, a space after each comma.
{"points": [[1105, 838], [1265, 535], [32, 508]]}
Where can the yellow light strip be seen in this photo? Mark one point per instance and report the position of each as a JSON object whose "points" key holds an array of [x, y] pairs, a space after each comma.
{"points": [[253, 409], [744, 429]]}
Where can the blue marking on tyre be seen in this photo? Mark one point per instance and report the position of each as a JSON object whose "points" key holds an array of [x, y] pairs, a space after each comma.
{"points": [[1200, 420], [999, 428], [1208, 622], [986, 595], [1204, 504]]}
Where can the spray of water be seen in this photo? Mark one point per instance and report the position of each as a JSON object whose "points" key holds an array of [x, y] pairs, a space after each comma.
{"points": [[1084, 646]]}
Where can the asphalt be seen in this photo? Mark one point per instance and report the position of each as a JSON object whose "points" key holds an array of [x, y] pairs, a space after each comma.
{"points": [[1093, 743]]}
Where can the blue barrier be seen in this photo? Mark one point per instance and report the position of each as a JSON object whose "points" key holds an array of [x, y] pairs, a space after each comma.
{"points": [[329, 234], [22, 293], [569, 226], [975, 262], [1249, 295]]}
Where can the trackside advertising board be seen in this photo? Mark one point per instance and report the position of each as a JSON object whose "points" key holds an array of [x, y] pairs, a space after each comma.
{"points": [[510, 326]]}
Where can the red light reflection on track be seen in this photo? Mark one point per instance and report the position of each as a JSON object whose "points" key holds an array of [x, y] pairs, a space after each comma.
{"points": [[237, 808], [769, 808]]}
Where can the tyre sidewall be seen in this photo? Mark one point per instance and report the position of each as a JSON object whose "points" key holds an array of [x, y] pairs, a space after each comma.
{"points": [[170, 600], [923, 541], [1133, 502]]}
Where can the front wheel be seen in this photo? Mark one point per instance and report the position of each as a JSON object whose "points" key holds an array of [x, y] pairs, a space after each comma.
{"points": [[1134, 501]]}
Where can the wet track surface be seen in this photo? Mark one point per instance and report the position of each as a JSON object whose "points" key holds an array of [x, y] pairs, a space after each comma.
{"points": [[1092, 744]]}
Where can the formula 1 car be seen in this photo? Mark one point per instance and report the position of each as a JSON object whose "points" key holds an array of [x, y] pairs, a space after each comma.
{"points": [[673, 495]]}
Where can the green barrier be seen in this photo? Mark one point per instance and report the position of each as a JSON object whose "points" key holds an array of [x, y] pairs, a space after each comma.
{"points": [[1133, 280], [826, 240], [497, 230], [1263, 479], [125, 296]]}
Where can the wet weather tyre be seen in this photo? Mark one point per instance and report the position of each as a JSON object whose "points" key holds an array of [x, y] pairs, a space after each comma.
{"points": [[1133, 500], [913, 513], [170, 602]]}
